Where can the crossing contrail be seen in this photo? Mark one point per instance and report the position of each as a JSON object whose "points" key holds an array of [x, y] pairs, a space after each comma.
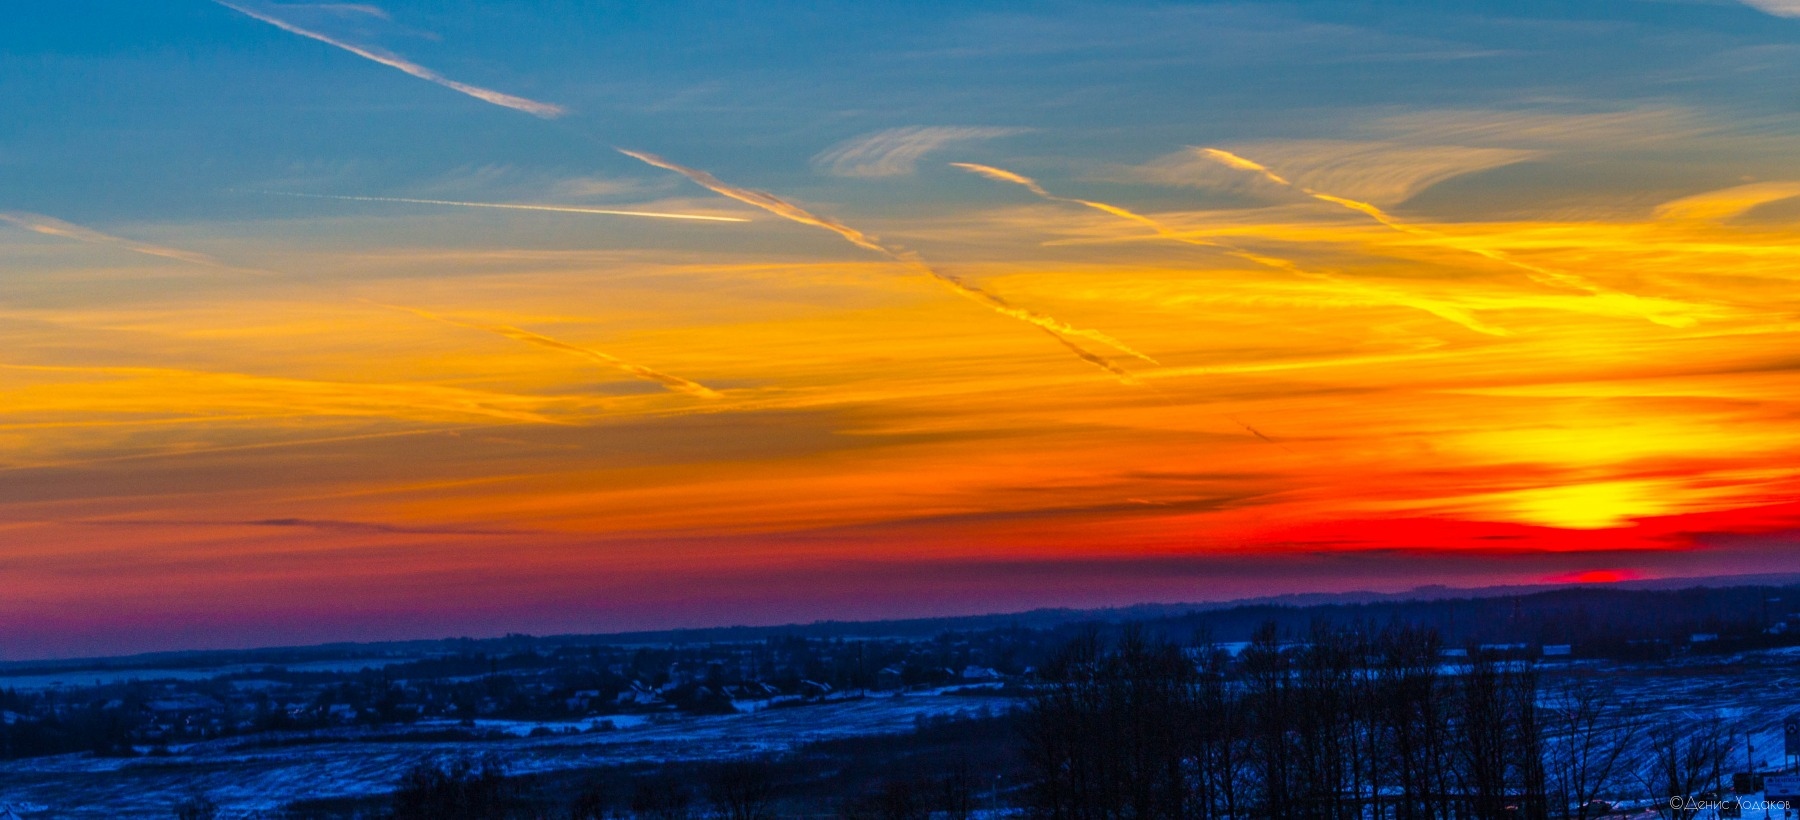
{"points": [[1449, 313], [1058, 329], [1537, 273]]}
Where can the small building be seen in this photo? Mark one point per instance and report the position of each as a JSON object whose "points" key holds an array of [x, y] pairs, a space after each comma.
{"points": [[981, 673]]}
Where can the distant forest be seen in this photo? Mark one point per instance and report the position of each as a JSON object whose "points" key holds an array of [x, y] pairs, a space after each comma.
{"points": [[1600, 621], [1594, 621]]}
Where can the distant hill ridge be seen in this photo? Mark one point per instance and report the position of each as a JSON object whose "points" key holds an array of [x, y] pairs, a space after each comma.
{"points": [[1441, 607]]}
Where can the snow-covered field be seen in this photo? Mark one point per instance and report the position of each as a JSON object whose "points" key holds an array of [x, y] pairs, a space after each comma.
{"points": [[245, 775], [1751, 691]]}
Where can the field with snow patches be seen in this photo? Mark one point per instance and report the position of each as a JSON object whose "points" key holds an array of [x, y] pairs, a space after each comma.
{"points": [[245, 775], [250, 774]]}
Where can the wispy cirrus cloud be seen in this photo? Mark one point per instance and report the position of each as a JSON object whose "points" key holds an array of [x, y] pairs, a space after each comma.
{"points": [[342, 11], [51, 226], [1779, 8], [56, 227], [586, 186], [1447, 312], [1661, 312], [102, 395], [510, 182], [1603, 130], [516, 206], [1378, 171], [325, 524], [674, 383], [1729, 202], [269, 14], [897, 151]]}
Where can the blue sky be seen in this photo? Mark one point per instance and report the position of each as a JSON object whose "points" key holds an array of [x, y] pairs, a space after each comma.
{"points": [[133, 111]]}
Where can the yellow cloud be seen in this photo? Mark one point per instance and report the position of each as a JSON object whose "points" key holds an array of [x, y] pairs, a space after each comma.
{"points": [[1714, 206]]}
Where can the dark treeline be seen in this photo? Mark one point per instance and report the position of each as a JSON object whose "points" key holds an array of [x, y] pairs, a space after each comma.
{"points": [[1349, 723], [1569, 615], [1596, 622]]}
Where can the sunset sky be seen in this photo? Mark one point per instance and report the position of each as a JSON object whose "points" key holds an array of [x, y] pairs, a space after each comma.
{"points": [[915, 308]]}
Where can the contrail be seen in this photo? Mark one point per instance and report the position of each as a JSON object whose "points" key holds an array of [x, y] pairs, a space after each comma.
{"points": [[787, 210], [1538, 273], [565, 209], [1234, 161], [51, 226], [768, 202], [674, 383], [1449, 313], [533, 107], [1031, 185], [1244, 164]]}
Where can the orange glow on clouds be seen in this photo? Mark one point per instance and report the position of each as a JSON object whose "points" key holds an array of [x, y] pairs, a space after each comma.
{"points": [[866, 444]]}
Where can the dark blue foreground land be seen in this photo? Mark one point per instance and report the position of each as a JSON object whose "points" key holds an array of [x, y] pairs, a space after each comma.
{"points": [[1560, 703]]}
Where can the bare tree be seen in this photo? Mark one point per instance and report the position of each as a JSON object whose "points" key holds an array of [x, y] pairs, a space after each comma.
{"points": [[1112, 733], [1346, 725], [1685, 762], [1220, 728], [956, 792], [901, 800], [589, 804], [1410, 717], [1525, 748], [1481, 737], [1500, 743], [195, 806], [662, 798], [1328, 721], [463, 789], [742, 790], [1268, 695], [1589, 746]]}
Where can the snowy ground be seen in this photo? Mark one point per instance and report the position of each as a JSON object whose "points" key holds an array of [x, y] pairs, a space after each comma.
{"points": [[244, 777], [1752, 692]]}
